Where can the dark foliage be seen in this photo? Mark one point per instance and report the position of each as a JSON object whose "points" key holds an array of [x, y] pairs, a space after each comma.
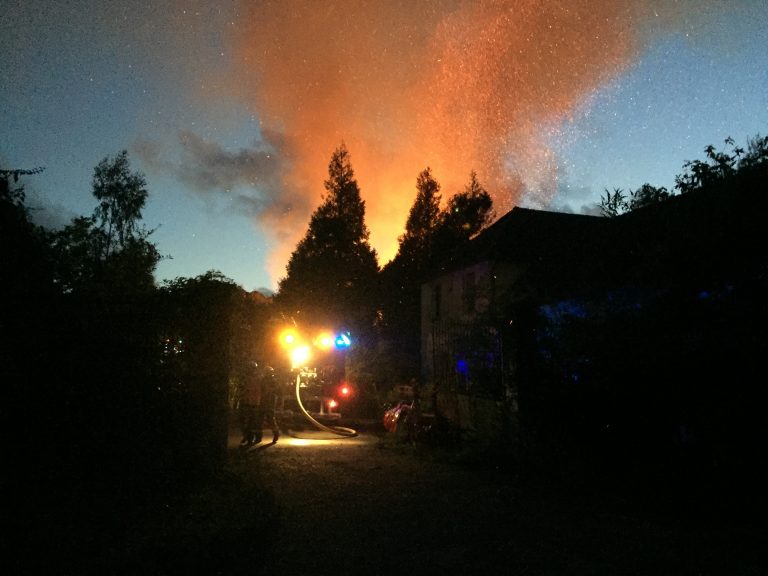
{"points": [[333, 269], [432, 238], [400, 282], [467, 212], [208, 327], [115, 395], [616, 203], [109, 250], [647, 383], [96, 402], [733, 166]]}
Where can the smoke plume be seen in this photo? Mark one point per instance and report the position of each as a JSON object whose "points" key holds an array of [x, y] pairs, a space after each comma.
{"points": [[457, 85]]}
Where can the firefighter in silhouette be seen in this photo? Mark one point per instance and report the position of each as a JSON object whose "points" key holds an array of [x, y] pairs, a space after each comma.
{"points": [[250, 402], [269, 396]]}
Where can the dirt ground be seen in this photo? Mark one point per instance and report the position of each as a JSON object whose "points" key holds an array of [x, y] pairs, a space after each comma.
{"points": [[316, 504], [375, 505]]}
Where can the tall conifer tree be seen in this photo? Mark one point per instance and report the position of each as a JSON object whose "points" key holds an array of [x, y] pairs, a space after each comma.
{"points": [[331, 272]]}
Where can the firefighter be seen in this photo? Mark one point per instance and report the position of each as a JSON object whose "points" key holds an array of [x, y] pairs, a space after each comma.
{"points": [[269, 398], [250, 402]]}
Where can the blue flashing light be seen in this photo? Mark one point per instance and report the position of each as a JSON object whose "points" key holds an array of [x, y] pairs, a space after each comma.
{"points": [[342, 340]]}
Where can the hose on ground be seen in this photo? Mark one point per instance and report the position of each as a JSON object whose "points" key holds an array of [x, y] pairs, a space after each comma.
{"points": [[338, 430]]}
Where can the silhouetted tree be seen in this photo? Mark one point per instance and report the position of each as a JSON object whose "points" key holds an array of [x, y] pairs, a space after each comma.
{"points": [[718, 166], [108, 250], [24, 256], [400, 280], [647, 195], [333, 269], [718, 169], [755, 159], [469, 211], [613, 204], [121, 195], [466, 213], [25, 306], [423, 219], [432, 236], [26, 288], [721, 166], [97, 340], [76, 254], [616, 203], [207, 330], [414, 253]]}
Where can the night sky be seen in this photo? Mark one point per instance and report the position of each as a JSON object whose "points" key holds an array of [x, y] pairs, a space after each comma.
{"points": [[232, 110]]}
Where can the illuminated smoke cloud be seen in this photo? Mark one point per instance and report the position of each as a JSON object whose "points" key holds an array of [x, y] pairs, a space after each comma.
{"points": [[455, 85], [252, 178], [206, 166]]}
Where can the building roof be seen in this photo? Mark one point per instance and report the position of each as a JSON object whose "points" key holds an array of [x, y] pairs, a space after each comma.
{"points": [[554, 247], [703, 236]]}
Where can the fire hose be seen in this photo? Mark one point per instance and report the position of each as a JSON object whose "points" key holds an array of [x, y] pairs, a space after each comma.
{"points": [[338, 430]]}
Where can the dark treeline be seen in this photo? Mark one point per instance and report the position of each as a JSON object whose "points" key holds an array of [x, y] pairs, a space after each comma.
{"points": [[333, 276], [112, 385], [112, 381], [649, 381], [643, 378]]}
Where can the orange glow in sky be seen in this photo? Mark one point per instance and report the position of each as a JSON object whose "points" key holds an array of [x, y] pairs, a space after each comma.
{"points": [[455, 85]]}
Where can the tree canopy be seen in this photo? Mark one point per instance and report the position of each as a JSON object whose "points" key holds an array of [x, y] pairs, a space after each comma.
{"points": [[333, 268], [723, 165], [464, 216], [431, 237], [423, 219], [121, 195], [469, 211], [719, 168], [109, 246], [617, 203]]}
